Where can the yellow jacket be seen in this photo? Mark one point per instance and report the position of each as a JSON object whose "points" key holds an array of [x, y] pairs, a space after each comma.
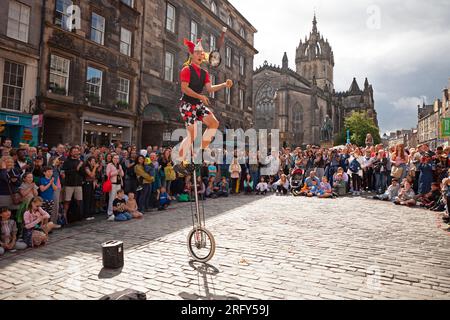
{"points": [[140, 172]]}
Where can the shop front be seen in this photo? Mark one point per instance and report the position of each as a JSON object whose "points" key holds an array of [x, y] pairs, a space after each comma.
{"points": [[102, 130], [158, 124], [18, 127]]}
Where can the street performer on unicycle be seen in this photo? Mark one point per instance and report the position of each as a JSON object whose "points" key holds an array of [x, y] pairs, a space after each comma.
{"points": [[194, 110]]}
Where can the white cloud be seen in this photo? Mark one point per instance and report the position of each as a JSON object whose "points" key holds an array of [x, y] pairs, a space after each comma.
{"points": [[409, 103], [404, 56]]}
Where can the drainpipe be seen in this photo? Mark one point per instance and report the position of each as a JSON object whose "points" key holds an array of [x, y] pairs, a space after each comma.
{"points": [[141, 73], [40, 62]]}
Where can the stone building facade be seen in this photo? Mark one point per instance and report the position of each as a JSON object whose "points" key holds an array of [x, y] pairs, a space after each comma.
{"points": [[20, 35], [302, 103], [90, 71], [428, 123], [166, 24], [408, 138]]}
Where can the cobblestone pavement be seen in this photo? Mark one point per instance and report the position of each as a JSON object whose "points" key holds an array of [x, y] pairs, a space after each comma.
{"points": [[267, 248]]}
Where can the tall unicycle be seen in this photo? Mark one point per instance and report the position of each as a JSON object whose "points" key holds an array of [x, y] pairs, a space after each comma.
{"points": [[201, 243], [193, 108]]}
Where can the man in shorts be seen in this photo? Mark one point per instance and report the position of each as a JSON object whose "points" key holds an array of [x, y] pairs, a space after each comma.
{"points": [[73, 179]]}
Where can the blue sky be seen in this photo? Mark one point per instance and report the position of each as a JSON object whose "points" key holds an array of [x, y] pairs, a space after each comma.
{"points": [[401, 46]]}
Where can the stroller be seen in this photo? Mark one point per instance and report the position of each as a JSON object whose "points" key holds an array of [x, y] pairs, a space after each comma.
{"points": [[296, 181]]}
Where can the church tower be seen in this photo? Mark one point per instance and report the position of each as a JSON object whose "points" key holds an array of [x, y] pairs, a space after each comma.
{"points": [[314, 59]]}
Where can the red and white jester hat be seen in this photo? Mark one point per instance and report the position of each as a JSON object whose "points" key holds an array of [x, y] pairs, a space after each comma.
{"points": [[194, 47]]}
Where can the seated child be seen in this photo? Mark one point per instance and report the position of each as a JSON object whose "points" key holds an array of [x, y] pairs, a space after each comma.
{"points": [[163, 198], [314, 189], [406, 195], [391, 193], [201, 188], [261, 187], [132, 206], [325, 190], [270, 184], [187, 189], [223, 188], [345, 177], [8, 233], [120, 208], [282, 185], [339, 185], [37, 224], [304, 190], [248, 184], [431, 198], [211, 189]]}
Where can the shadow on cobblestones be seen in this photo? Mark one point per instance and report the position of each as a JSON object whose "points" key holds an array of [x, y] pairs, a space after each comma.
{"points": [[205, 271], [86, 237], [109, 273]]}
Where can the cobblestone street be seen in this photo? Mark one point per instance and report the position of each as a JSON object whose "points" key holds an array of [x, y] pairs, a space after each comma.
{"points": [[267, 248]]}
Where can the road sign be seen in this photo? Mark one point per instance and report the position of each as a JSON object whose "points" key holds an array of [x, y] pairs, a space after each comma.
{"points": [[445, 127]]}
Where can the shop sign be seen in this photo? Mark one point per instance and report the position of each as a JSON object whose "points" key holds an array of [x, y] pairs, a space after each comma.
{"points": [[27, 134], [445, 127], [12, 119], [36, 120]]}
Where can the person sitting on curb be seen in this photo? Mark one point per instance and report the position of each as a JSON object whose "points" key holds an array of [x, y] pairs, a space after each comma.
{"points": [[37, 224], [391, 193], [223, 188], [8, 233], [211, 189], [132, 206], [325, 190], [282, 185], [314, 189], [248, 185], [339, 185], [120, 207], [163, 198], [406, 196], [431, 198], [261, 187], [201, 188]]}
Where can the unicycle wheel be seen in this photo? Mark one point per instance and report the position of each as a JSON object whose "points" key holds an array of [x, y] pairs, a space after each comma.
{"points": [[201, 244]]}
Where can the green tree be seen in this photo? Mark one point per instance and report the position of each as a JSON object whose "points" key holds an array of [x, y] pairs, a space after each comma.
{"points": [[359, 125]]}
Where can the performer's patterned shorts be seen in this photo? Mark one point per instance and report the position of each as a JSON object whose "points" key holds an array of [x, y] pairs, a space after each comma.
{"points": [[193, 112]]}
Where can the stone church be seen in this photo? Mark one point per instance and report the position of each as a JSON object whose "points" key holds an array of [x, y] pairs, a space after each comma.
{"points": [[303, 104]]}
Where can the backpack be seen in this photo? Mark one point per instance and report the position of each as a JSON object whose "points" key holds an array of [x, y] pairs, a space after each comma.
{"points": [[354, 166], [184, 197], [128, 294]]}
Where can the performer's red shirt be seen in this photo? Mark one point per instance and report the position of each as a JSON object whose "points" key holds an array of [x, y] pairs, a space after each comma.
{"points": [[185, 74]]}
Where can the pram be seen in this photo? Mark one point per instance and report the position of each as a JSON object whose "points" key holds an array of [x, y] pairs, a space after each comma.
{"points": [[296, 181]]}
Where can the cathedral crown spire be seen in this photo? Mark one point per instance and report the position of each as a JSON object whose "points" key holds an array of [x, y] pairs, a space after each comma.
{"points": [[314, 24]]}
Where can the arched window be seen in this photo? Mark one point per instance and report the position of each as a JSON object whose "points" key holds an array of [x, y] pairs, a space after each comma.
{"points": [[230, 21], [297, 124], [213, 7], [242, 32], [265, 107]]}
